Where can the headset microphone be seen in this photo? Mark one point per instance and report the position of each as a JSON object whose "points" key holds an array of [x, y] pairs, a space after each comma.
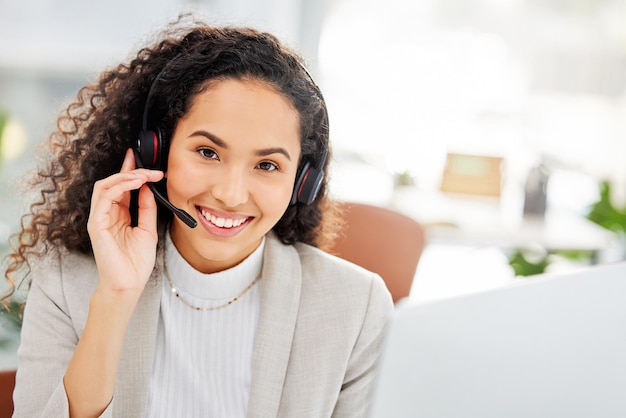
{"points": [[182, 215]]}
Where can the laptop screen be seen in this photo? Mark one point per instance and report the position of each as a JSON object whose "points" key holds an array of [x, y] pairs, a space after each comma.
{"points": [[552, 346]]}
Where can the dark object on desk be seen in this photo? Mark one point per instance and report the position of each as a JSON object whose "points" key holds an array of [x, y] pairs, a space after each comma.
{"points": [[7, 383], [536, 191], [383, 241]]}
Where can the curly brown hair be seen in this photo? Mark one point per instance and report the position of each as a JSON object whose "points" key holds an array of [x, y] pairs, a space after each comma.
{"points": [[95, 131]]}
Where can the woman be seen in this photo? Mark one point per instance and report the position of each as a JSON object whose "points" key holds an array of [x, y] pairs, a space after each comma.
{"points": [[229, 308]]}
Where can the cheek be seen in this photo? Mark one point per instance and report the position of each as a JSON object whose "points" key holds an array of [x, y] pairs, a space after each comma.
{"points": [[273, 198], [181, 178], [278, 195]]}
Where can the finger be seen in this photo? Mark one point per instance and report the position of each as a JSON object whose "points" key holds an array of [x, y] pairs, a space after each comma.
{"points": [[116, 188], [129, 161], [112, 190], [147, 213], [116, 185], [125, 181]]}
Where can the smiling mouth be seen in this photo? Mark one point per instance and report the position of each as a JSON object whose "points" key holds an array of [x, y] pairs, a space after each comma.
{"points": [[223, 222]]}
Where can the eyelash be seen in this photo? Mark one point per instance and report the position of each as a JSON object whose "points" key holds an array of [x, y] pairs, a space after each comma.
{"points": [[203, 152]]}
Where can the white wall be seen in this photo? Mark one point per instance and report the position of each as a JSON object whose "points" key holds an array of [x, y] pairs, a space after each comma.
{"points": [[76, 35], [408, 81]]}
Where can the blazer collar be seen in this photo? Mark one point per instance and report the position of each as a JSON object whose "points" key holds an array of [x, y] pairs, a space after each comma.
{"points": [[280, 300]]}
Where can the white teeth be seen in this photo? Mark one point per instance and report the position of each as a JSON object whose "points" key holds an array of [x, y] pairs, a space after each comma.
{"points": [[223, 222], [218, 221]]}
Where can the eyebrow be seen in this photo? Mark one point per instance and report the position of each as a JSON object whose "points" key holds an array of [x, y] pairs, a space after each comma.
{"points": [[261, 152], [269, 151]]}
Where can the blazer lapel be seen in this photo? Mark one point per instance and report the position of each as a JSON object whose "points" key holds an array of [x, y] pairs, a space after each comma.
{"points": [[280, 299], [137, 359]]}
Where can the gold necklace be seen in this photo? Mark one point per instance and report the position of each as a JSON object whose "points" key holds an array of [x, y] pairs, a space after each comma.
{"points": [[210, 308]]}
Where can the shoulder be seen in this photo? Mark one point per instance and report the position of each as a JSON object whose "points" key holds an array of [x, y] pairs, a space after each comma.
{"points": [[330, 280], [58, 266], [67, 279], [327, 267]]}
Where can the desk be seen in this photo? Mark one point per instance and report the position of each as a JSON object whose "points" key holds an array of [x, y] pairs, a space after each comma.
{"points": [[483, 221], [468, 239]]}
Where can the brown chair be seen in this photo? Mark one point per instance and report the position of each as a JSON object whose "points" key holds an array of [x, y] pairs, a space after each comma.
{"points": [[383, 241], [7, 383]]}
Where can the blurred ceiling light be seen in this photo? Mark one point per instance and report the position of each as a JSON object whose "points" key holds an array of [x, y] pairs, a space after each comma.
{"points": [[13, 140]]}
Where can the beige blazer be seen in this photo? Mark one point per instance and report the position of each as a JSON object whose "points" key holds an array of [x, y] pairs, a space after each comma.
{"points": [[319, 336]]}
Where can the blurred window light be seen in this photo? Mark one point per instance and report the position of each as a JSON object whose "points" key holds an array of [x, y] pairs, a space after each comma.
{"points": [[420, 93], [13, 140], [572, 190], [411, 81]]}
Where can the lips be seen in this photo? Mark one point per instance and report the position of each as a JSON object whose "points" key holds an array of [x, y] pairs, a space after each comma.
{"points": [[222, 222]]}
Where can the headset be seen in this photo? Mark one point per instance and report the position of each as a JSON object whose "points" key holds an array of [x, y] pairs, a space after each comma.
{"points": [[151, 152]]}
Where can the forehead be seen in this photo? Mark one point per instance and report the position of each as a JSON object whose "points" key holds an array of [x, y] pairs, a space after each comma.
{"points": [[249, 107], [222, 88], [241, 94]]}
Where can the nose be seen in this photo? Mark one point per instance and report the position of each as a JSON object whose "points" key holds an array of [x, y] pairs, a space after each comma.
{"points": [[230, 187]]}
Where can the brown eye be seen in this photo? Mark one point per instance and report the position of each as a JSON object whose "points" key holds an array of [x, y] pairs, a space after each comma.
{"points": [[267, 166], [208, 153]]}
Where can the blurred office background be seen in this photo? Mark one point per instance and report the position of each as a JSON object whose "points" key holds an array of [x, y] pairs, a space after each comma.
{"points": [[424, 96]]}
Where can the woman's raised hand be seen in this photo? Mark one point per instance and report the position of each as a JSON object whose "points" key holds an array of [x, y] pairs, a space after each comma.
{"points": [[125, 255]]}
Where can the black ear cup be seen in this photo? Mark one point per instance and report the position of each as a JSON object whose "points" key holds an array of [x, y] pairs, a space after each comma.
{"points": [[310, 178], [151, 150], [307, 185], [151, 147]]}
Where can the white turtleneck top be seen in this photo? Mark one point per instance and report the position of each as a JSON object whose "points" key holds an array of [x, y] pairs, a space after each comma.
{"points": [[203, 359]]}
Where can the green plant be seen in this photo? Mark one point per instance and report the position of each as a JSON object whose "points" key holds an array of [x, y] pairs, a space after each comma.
{"points": [[604, 212], [404, 178], [11, 314], [523, 265]]}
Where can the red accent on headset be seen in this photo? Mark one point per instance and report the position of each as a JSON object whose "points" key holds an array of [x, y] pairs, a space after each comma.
{"points": [[156, 149], [302, 183]]}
